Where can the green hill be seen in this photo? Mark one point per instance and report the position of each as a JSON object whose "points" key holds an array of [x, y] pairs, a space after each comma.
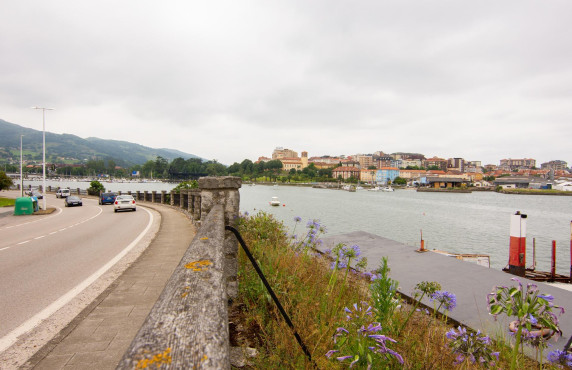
{"points": [[74, 149]]}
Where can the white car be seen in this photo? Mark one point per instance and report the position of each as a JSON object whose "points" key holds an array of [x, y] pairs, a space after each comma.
{"points": [[63, 193], [123, 202]]}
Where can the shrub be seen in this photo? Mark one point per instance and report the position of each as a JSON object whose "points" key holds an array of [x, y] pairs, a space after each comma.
{"points": [[95, 188]]}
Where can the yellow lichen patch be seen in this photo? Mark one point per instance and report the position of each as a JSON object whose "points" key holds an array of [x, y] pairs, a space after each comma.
{"points": [[205, 238], [199, 265], [186, 293], [157, 360]]}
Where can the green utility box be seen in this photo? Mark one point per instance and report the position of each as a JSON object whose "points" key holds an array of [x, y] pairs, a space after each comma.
{"points": [[23, 206]]}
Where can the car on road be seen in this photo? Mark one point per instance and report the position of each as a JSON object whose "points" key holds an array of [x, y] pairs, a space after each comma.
{"points": [[107, 198], [37, 194], [72, 201], [123, 202], [63, 193]]}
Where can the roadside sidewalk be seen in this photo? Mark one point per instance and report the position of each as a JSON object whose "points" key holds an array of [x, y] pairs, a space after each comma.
{"points": [[98, 337]]}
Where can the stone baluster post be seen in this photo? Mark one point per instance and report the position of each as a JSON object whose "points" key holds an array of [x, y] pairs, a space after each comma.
{"points": [[224, 191], [153, 196], [182, 193], [163, 196]]}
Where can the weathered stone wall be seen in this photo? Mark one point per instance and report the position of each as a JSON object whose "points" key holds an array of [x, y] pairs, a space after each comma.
{"points": [[189, 323], [188, 326]]}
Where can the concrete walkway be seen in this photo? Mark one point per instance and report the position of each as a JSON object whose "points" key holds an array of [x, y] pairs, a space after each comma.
{"points": [[468, 281], [100, 335]]}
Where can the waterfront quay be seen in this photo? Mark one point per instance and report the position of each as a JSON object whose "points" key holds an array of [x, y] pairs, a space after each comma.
{"points": [[468, 281]]}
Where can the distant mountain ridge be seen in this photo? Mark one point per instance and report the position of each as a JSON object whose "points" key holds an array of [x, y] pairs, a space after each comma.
{"points": [[71, 146]]}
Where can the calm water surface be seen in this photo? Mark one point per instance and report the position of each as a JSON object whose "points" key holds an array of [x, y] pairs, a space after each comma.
{"points": [[477, 222]]}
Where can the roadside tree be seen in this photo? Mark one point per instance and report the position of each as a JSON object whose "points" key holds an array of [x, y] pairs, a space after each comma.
{"points": [[5, 181], [95, 187]]}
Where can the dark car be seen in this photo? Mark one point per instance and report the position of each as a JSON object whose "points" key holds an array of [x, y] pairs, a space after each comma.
{"points": [[72, 201], [107, 198]]}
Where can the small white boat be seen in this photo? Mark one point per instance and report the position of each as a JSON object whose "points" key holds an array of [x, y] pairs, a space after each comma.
{"points": [[387, 188], [377, 188], [275, 202]]}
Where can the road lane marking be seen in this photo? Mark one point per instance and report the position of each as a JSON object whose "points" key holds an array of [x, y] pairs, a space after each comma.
{"points": [[11, 338], [4, 248], [65, 228], [31, 222]]}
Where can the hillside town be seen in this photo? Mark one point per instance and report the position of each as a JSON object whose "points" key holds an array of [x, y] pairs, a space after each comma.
{"points": [[417, 170]]}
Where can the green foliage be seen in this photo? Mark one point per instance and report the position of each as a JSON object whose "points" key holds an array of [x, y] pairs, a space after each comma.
{"points": [[530, 308], [421, 289], [5, 181], [193, 184], [384, 293], [95, 188], [399, 181]]}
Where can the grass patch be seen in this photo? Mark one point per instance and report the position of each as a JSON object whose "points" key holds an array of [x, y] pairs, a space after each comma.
{"points": [[319, 300], [536, 192], [7, 202]]}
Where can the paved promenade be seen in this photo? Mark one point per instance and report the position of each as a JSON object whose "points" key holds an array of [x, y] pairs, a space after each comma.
{"points": [[468, 281], [100, 335]]}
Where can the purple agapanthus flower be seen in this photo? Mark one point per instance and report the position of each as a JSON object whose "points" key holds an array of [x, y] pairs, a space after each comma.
{"points": [[446, 300], [297, 219], [558, 357]]}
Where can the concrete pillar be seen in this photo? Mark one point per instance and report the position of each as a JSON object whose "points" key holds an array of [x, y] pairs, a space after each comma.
{"points": [[163, 196], [145, 195], [182, 193], [224, 191], [172, 200], [153, 196], [137, 193]]}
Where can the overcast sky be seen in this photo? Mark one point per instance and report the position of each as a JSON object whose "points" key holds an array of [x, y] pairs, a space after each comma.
{"points": [[229, 80]]}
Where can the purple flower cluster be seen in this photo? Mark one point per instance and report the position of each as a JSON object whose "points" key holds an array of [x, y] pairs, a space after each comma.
{"points": [[362, 334], [471, 346], [445, 299], [560, 358], [311, 240], [344, 255]]}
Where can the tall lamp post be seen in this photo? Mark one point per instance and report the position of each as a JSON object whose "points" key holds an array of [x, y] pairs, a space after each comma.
{"points": [[44, 152], [21, 174]]}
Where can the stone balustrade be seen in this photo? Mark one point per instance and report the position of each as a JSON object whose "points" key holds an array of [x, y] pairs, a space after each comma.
{"points": [[188, 325]]}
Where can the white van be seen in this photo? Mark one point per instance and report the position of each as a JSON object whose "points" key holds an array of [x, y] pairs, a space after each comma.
{"points": [[62, 193]]}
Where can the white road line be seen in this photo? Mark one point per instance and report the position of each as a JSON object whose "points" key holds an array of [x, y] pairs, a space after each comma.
{"points": [[65, 228], [4, 248], [12, 337], [31, 222]]}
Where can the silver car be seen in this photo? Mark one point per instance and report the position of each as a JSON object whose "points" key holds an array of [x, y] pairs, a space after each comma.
{"points": [[123, 202]]}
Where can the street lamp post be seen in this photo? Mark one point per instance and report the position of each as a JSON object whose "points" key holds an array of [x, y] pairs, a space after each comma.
{"points": [[44, 152], [21, 174]]}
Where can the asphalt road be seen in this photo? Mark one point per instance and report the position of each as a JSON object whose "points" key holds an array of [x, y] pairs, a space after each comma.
{"points": [[47, 259]]}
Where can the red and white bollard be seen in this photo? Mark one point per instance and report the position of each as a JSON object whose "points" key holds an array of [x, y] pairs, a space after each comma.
{"points": [[517, 249]]}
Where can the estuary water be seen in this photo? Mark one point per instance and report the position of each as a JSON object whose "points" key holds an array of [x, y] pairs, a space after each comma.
{"points": [[477, 222]]}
